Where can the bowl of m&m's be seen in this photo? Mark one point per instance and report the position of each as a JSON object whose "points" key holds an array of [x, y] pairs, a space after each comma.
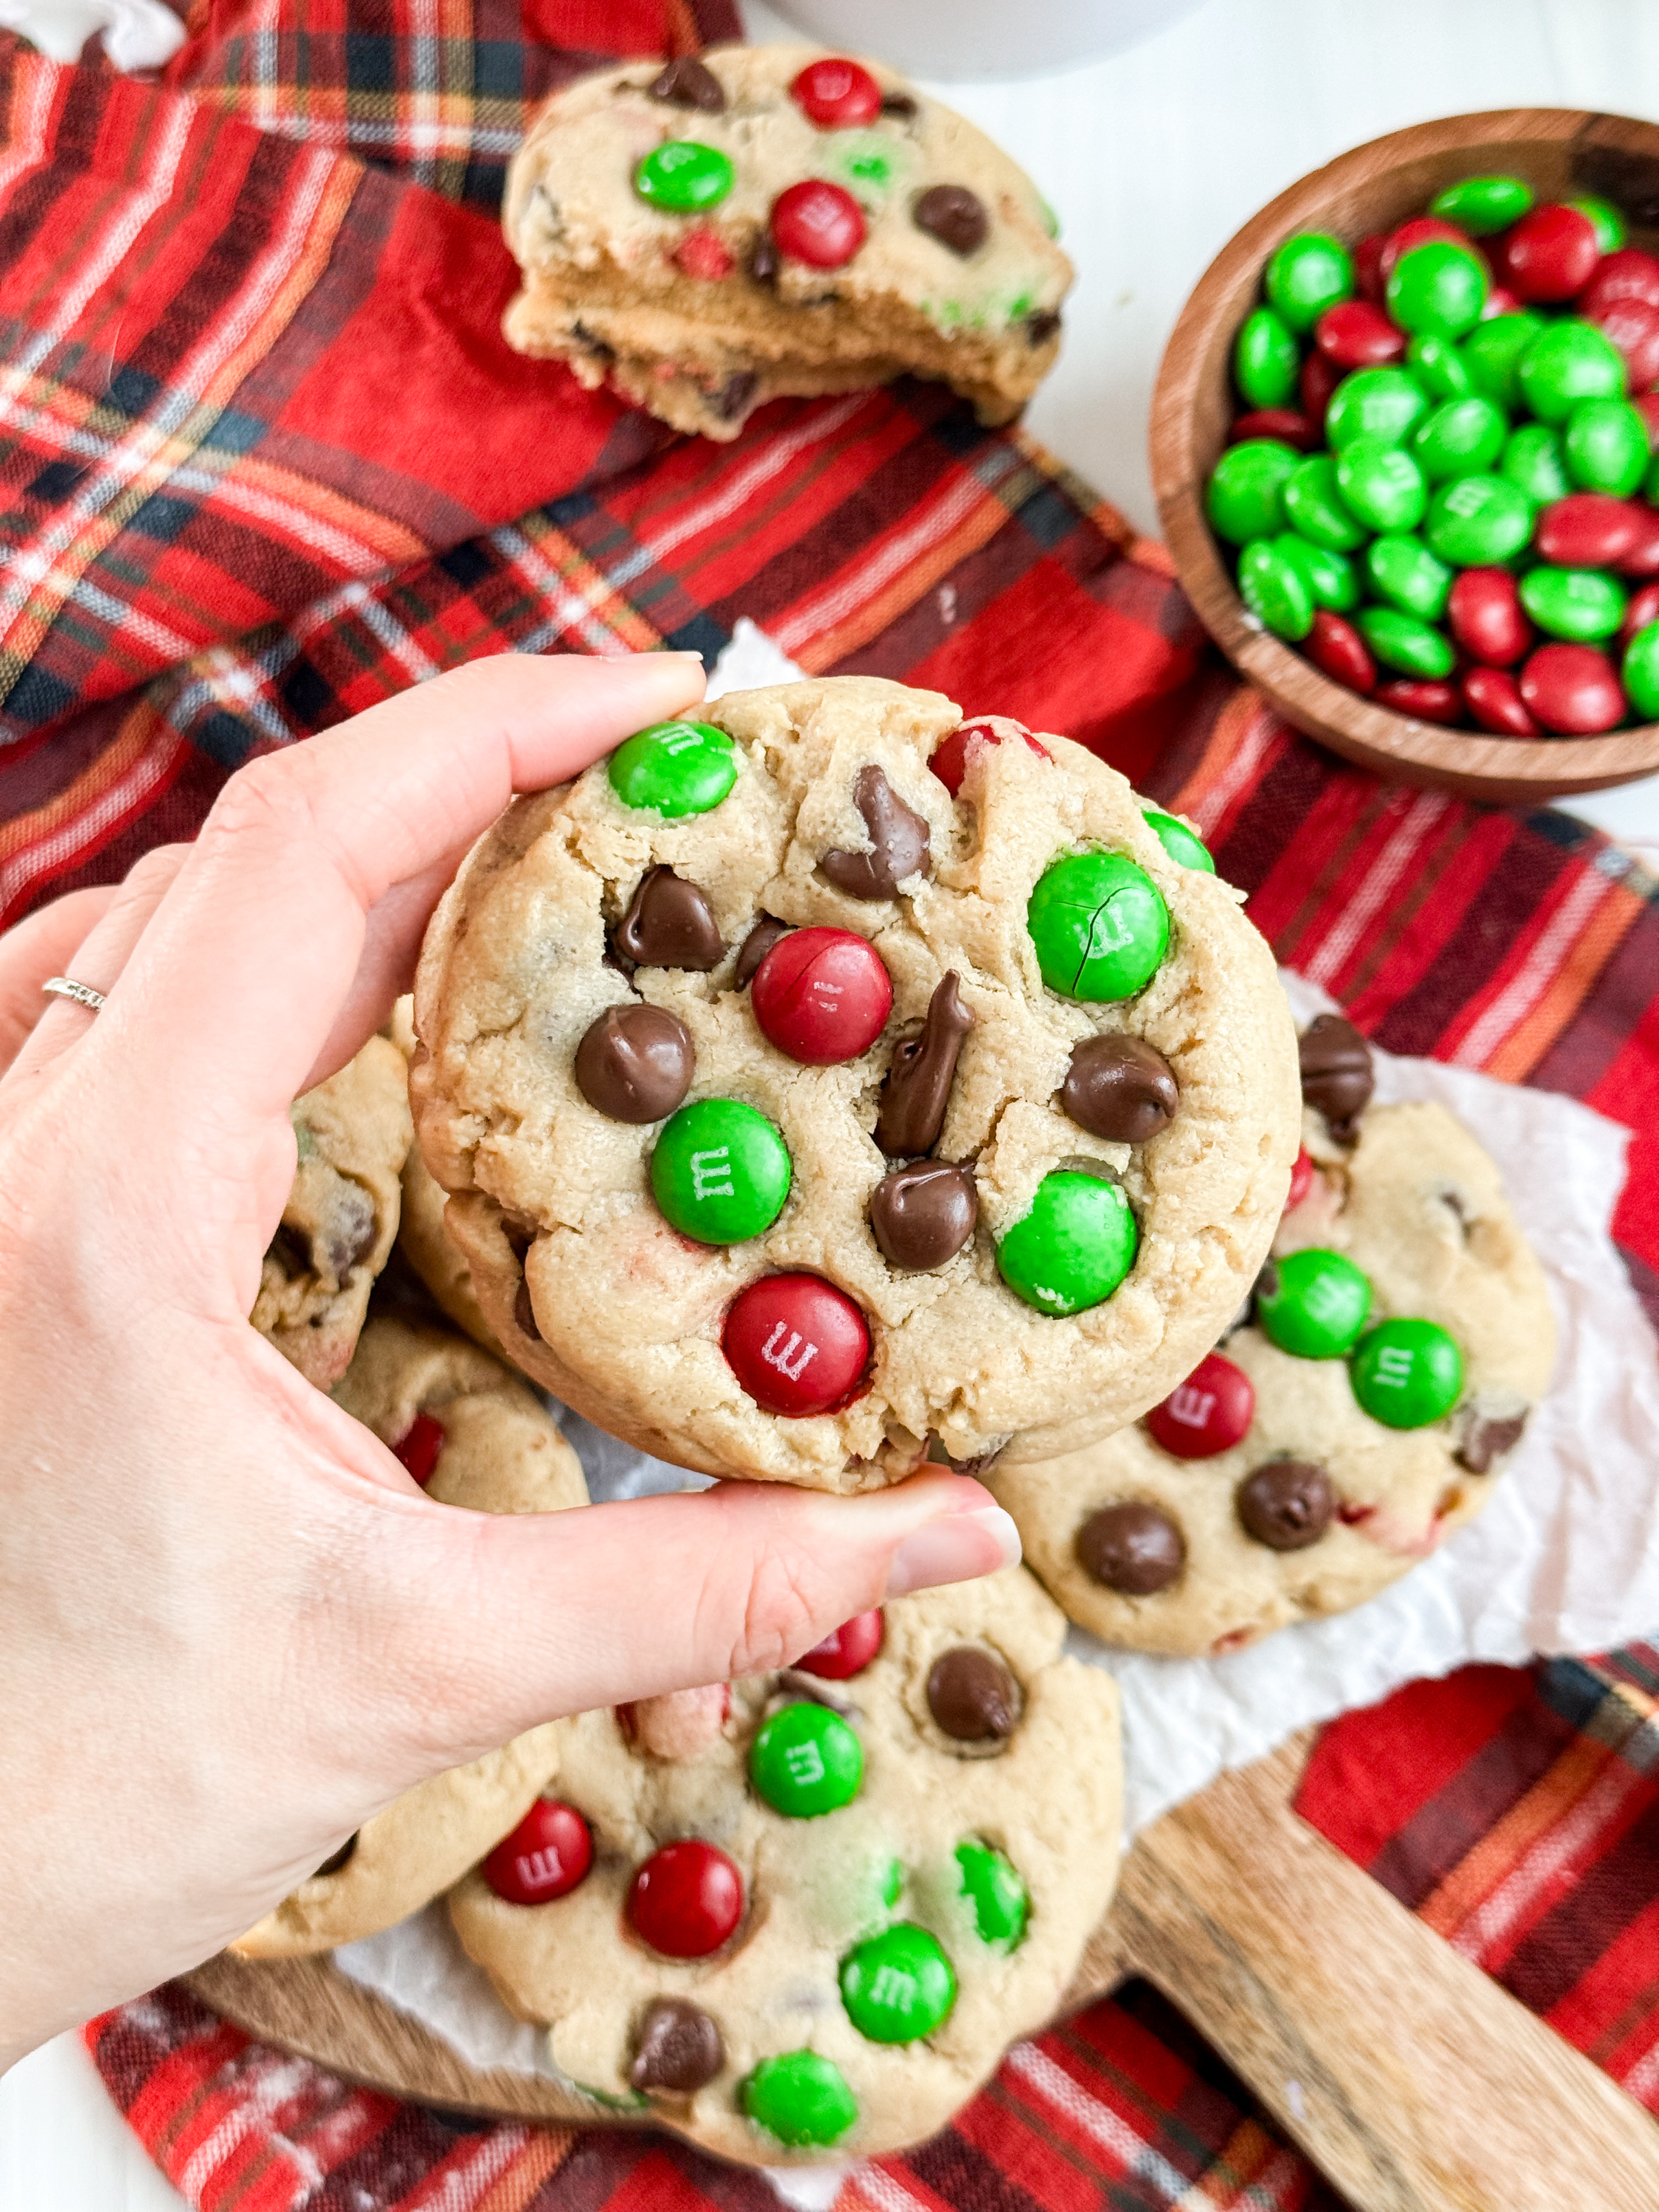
{"points": [[1405, 443]]}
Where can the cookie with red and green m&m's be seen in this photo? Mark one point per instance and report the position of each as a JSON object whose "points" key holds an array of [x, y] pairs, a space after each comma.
{"points": [[473, 1437], [808, 1914], [1361, 1416], [896, 1090], [774, 219]]}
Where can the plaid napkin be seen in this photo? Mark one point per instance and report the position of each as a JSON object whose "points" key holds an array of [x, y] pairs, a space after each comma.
{"points": [[267, 459]]}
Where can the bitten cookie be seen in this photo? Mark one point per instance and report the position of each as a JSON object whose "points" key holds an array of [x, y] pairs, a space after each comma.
{"points": [[812, 1913], [775, 219], [826, 1083], [473, 1437], [1401, 1336], [337, 1228]]}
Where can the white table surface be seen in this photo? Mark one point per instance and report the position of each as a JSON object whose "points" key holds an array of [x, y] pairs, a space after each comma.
{"points": [[1153, 159]]}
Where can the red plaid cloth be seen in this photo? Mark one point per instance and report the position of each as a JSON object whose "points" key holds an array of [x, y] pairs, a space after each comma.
{"points": [[265, 459]]}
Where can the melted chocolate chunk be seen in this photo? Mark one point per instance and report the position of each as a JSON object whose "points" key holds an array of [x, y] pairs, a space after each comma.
{"points": [[1487, 1438], [755, 947], [679, 2048], [1041, 325], [634, 1063], [336, 1860], [729, 399], [972, 1695], [351, 1234], [1287, 1505], [1336, 1073], [981, 1463], [1117, 1087], [687, 83], [1134, 1548], [922, 1216], [954, 216], [763, 260], [901, 103], [898, 836], [917, 1090], [670, 924], [523, 1313]]}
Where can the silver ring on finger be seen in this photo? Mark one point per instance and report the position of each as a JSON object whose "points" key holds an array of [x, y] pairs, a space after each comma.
{"points": [[65, 986]]}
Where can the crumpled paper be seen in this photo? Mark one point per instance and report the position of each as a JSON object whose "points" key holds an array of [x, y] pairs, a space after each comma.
{"points": [[1564, 1558]]}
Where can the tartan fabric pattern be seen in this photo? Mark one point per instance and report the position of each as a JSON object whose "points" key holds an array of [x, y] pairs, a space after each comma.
{"points": [[1123, 2107]]}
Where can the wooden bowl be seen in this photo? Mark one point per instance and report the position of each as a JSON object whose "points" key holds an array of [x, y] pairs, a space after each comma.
{"points": [[1560, 151]]}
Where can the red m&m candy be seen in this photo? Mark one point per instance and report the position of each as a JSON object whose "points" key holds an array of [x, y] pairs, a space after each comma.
{"points": [[1282, 423], [949, 758], [686, 1900], [1494, 697], [1632, 325], [1586, 530], [1336, 647], [1210, 1412], [1301, 1176], [847, 1650], [1643, 609], [1629, 274], [546, 1856], [796, 1344], [1356, 334], [822, 995], [1550, 254], [836, 94], [1572, 689], [1641, 556], [419, 1446], [817, 224], [1486, 618], [1426, 699]]}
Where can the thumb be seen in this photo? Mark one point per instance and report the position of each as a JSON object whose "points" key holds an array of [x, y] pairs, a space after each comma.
{"points": [[529, 1617]]}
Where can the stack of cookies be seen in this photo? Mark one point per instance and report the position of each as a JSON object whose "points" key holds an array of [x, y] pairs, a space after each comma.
{"points": [[820, 1088]]}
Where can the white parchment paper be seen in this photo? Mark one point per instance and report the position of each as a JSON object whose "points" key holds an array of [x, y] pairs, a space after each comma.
{"points": [[1564, 1558]]}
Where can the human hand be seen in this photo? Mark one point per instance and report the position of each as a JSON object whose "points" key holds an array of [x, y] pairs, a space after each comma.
{"points": [[231, 1627]]}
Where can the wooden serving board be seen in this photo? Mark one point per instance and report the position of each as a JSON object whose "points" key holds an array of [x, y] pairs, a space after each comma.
{"points": [[1411, 2080]]}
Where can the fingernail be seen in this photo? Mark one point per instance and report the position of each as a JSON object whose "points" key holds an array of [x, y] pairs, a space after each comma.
{"points": [[954, 1549], [678, 655]]}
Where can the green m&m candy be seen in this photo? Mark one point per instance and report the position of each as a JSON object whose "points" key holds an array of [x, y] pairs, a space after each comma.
{"points": [[721, 1171], [898, 1986], [1404, 642], [1569, 361], [1481, 205], [1313, 1304], [1275, 589], [1605, 446], [1315, 510], [1073, 1247], [1099, 925], [1244, 499], [1402, 570], [1266, 359], [1478, 522], [1308, 274], [800, 2098], [1582, 604], [1604, 219], [1406, 1373], [683, 176], [996, 1893], [1533, 461], [674, 767], [1461, 437], [1438, 366], [1331, 577], [1641, 672], [1178, 841], [1491, 353], [806, 1760], [1384, 403], [1438, 288], [1382, 485]]}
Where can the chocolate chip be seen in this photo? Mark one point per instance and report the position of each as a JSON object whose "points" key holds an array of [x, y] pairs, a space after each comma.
{"points": [[730, 400], [763, 260], [1336, 1073], [1487, 1438], [972, 1696], [954, 216], [1286, 1505], [523, 1313], [901, 103], [1134, 1548], [1117, 1087], [669, 924], [981, 1463], [899, 837], [679, 2048], [917, 1090], [755, 947], [687, 83], [1041, 325], [591, 343], [336, 1860], [634, 1063], [352, 1230], [922, 1216]]}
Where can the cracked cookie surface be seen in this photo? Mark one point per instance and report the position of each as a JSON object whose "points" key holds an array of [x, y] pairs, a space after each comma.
{"points": [[1138, 1227]]}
